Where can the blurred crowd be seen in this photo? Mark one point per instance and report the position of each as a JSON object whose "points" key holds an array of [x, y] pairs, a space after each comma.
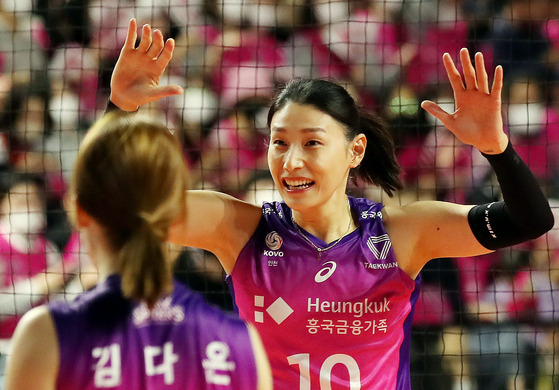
{"points": [[483, 323]]}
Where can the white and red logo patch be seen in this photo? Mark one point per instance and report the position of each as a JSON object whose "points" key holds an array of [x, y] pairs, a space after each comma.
{"points": [[274, 241]]}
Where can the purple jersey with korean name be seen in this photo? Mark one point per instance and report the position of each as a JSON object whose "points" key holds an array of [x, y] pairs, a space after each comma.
{"points": [[338, 321], [109, 342]]}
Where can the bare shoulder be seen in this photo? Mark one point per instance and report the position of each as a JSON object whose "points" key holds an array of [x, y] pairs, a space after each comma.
{"points": [[403, 224], [38, 322], [397, 217], [33, 362]]}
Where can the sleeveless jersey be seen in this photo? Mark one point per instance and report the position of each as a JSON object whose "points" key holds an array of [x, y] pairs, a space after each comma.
{"points": [[341, 320], [109, 342]]}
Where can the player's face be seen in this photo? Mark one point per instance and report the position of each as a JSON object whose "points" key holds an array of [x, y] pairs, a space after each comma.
{"points": [[309, 156]]}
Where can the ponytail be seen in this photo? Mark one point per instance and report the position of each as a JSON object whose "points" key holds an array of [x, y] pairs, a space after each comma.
{"points": [[379, 165], [131, 177], [143, 265]]}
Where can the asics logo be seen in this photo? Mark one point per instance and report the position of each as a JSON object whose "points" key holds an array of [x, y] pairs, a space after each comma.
{"points": [[325, 272]]}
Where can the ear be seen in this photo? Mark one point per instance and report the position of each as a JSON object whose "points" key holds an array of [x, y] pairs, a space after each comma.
{"points": [[75, 212], [359, 145], [83, 219]]}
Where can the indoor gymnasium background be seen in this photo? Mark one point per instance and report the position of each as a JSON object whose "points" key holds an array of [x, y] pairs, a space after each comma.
{"points": [[483, 323]]}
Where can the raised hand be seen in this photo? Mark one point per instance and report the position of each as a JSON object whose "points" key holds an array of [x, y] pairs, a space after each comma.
{"points": [[135, 79], [477, 119]]}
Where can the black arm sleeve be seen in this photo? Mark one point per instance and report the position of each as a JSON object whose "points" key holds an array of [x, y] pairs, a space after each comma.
{"points": [[523, 215], [113, 107], [110, 106]]}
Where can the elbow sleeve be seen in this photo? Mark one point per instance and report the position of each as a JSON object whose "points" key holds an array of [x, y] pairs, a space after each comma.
{"points": [[523, 215]]}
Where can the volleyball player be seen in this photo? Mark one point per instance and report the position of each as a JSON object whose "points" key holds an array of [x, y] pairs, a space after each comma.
{"points": [[138, 329], [328, 280]]}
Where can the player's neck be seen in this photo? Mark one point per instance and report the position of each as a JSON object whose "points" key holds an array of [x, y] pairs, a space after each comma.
{"points": [[99, 250], [328, 224]]}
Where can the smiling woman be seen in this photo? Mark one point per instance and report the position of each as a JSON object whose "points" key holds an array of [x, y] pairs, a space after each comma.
{"points": [[335, 108], [330, 281]]}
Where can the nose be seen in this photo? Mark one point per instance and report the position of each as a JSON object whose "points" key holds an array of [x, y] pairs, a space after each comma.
{"points": [[293, 159]]}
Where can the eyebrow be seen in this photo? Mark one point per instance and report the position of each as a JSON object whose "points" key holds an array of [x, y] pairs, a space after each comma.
{"points": [[305, 130]]}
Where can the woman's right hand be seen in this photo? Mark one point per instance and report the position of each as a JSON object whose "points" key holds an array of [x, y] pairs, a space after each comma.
{"points": [[135, 79]]}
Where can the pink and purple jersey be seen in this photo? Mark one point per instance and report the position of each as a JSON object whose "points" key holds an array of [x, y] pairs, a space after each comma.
{"points": [[338, 321], [109, 342]]}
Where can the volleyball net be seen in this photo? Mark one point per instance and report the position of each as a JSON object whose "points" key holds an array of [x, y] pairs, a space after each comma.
{"points": [[483, 323]]}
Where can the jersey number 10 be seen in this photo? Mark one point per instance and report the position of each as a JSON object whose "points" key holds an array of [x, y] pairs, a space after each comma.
{"points": [[303, 360]]}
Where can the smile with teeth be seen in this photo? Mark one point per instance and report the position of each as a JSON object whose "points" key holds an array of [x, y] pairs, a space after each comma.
{"points": [[297, 184]]}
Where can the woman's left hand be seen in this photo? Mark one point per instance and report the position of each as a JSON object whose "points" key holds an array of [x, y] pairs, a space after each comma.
{"points": [[477, 119]]}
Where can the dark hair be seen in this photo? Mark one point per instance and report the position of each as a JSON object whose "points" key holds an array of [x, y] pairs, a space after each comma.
{"points": [[121, 179], [11, 178], [21, 91], [379, 165]]}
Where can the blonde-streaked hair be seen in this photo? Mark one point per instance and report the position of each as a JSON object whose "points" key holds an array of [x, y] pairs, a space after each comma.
{"points": [[131, 177]]}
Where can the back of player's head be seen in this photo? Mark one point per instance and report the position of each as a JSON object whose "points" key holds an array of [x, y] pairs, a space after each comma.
{"points": [[379, 165], [130, 176]]}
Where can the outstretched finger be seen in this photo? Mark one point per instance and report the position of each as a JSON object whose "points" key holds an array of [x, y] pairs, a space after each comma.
{"points": [[452, 73], [482, 79], [468, 68], [131, 36], [156, 44], [497, 86], [435, 110], [145, 42], [165, 91], [166, 53]]}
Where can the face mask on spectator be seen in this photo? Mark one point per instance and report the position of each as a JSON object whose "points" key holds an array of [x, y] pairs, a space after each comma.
{"points": [[198, 106], [525, 119], [64, 109], [262, 15], [26, 223], [331, 12]]}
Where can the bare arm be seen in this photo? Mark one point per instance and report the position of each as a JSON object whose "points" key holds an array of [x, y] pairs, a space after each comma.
{"points": [[262, 364], [426, 230], [429, 230], [218, 223], [33, 363]]}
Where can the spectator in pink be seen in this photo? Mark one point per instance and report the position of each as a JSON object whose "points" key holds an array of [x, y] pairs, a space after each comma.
{"points": [[369, 40], [437, 27], [236, 147], [534, 127], [31, 266]]}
